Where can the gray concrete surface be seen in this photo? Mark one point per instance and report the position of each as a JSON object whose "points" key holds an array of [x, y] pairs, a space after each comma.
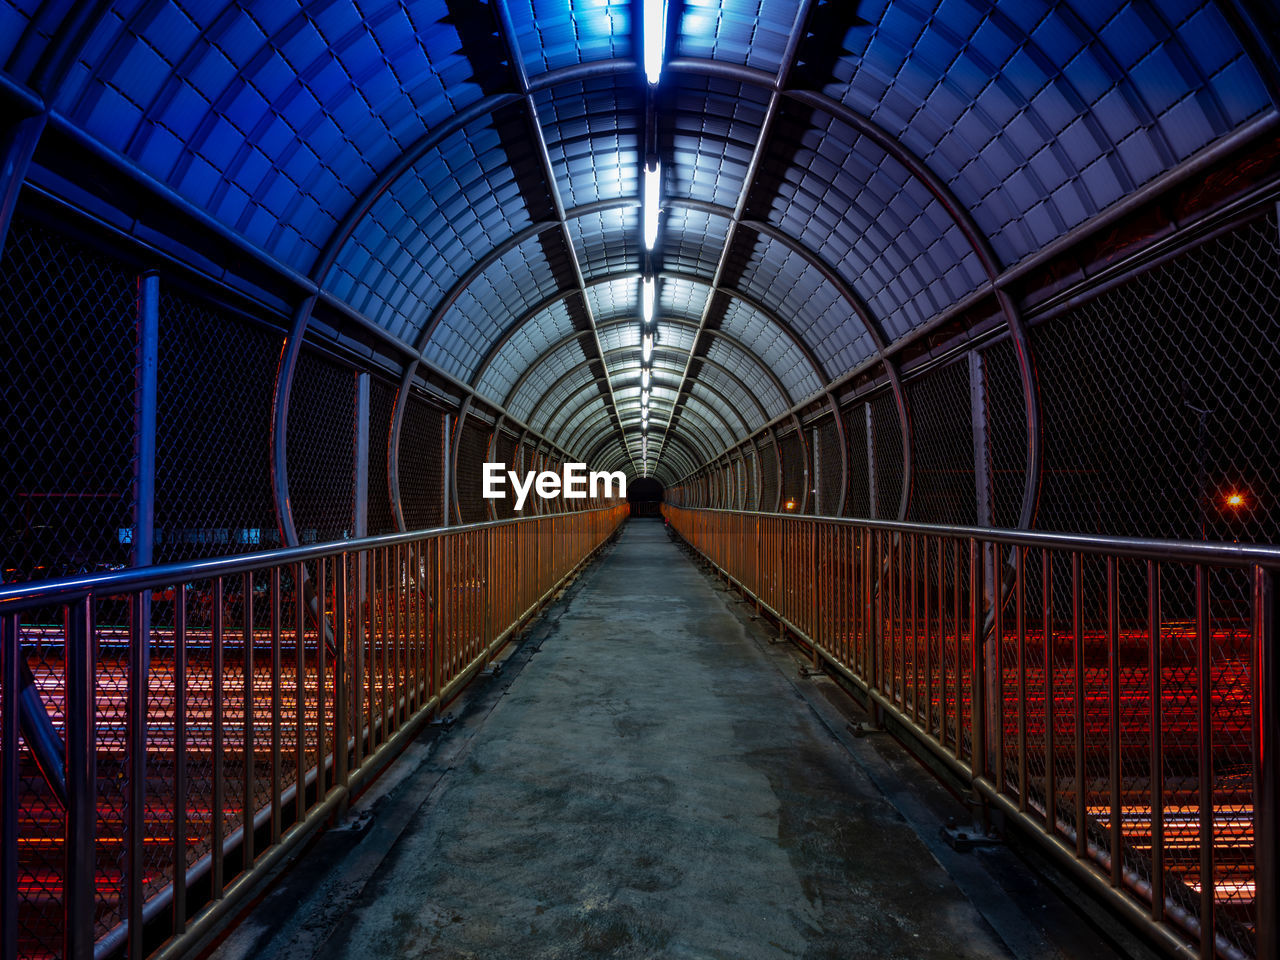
{"points": [[655, 782]]}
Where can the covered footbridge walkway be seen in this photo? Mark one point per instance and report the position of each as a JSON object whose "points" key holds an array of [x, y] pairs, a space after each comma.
{"points": [[944, 333]]}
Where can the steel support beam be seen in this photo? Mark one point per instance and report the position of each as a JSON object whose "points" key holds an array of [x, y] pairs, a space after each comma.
{"points": [[17, 147]]}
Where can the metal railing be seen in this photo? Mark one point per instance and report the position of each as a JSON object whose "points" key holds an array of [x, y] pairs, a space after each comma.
{"points": [[271, 687], [1119, 703]]}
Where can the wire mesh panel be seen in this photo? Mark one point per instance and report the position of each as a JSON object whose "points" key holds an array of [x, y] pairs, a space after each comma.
{"points": [[943, 489], [1006, 424], [751, 477], [213, 432], [828, 465], [473, 450], [886, 435], [382, 399], [67, 336], [506, 451], [421, 465], [791, 449], [768, 476], [320, 447], [1159, 399], [857, 501]]}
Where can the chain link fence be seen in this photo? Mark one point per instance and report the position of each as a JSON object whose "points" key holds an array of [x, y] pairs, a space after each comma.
{"points": [[828, 465], [887, 466], [768, 457], [473, 451], [69, 329], [1006, 432], [422, 465], [68, 340], [943, 487], [216, 373], [320, 447]]}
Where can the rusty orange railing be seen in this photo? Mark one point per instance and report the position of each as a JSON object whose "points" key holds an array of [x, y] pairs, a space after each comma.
{"points": [[1115, 697], [269, 688]]}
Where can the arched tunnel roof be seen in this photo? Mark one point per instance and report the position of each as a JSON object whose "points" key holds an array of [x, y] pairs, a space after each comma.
{"points": [[467, 175]]}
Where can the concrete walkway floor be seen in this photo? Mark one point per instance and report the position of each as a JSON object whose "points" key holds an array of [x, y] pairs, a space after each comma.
{"points": [[651, 784]]}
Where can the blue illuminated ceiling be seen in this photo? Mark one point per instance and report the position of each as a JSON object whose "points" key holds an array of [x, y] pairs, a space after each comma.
{"points": [[395, 153]]}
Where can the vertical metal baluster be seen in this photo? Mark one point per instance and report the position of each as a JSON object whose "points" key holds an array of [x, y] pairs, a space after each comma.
{"points": [[900, 554], [368, 734], [384, 640], [1050, 758], [1113, 657], [359, 638], [1020, 605], [942, 643], [179, 759], [276, 773], [1156, 757], [250, 773], [1077, 674], [437, 633], [322, 674], [997, 708], [10, 678], [416, 622], [341, 620], [1204, 709], [136, 818], [928, 644], [80, 861], [399, 592], [958, 716], [977, 664], [1266, 736], [219, 773], [877, 646], [915, 629], [300, 694]]}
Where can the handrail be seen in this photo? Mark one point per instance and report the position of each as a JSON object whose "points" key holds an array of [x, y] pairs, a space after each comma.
{"points": [[1217, 553], [1119, 703], [289, 678], [15, 597]]}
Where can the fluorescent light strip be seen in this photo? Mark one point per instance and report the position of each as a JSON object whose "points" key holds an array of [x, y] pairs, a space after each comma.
{"points": [[652, 197], [648, 298], [644, 379], [655, 38], [646, 347]]}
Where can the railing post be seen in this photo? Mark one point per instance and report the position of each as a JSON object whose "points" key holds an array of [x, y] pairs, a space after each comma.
{"points": [[145, 401], [991, 594], [871, 462], [1266, 763], [81, 767], [10, 681], [341, 617], [977, 666], [446, 475], [360, 518]]}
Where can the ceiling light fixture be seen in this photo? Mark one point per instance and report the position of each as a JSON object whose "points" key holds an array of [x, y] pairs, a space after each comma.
{"points": [[648, 298], [644, 379], [646, 347], [655, 38], [652, 185]]}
